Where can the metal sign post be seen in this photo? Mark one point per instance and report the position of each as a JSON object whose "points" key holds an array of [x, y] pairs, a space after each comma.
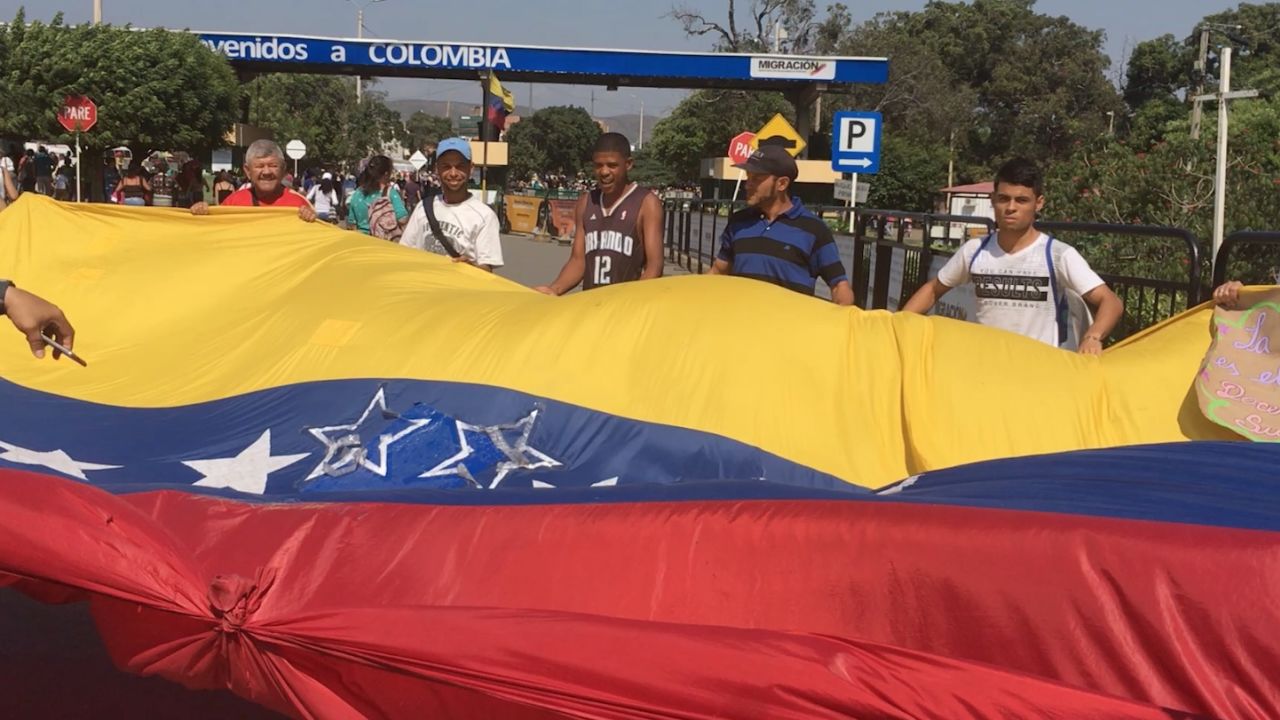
{"points": [[852, 192], [78, 164], [78, 114], [853, 197]]}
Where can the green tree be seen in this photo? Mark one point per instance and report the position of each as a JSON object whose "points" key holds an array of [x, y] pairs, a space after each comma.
{"points": [[702, 125], [649, 170], [155, 89], [1172, 184], [552, 140], [422, 130], [321, 111], [1040, 81], [921, 96], [1256, 59], [1157, 70], [911, 173]]}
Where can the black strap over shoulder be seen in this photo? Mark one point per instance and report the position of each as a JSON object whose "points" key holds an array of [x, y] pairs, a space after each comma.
{"points": [[429, 207]]}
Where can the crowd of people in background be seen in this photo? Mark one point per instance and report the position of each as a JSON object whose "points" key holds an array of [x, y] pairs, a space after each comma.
{"points": [[38, 169], [175, 179]]}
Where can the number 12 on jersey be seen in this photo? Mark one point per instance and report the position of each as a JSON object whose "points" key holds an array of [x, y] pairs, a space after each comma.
{"points": [[604, 264]]}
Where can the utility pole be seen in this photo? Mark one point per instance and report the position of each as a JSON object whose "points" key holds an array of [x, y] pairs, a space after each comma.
{"points": [[97, 12], [1201, 68], [951, 160], [1223, 96], [359, 36], [639, 140]]}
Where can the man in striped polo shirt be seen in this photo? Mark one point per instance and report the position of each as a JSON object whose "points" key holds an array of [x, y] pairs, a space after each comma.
{"points": [[776, 239]]}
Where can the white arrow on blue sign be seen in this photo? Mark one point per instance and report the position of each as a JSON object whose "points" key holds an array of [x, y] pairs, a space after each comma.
{"points": [[857, 142]]}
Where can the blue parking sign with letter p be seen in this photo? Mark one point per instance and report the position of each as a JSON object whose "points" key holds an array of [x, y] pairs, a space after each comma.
{"points": [[857, 142]]}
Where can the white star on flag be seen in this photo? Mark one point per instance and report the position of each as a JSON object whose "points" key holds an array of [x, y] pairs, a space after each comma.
{"points": [[53, 459], [344, 448], [611, 482], [520, 455], [246, 472]]}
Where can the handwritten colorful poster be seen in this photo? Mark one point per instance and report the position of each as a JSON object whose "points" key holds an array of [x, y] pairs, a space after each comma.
{"points": [[1239, 382]]}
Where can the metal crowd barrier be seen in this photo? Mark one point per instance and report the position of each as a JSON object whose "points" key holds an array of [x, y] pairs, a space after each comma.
{"points": [[891, 253]]}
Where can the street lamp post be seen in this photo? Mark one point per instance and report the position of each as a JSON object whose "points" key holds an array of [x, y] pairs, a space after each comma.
{"points": [[640, 139], [360, 36]]}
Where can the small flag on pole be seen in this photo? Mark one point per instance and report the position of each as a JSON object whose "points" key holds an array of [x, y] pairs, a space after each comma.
{"points": [[501, 103]]}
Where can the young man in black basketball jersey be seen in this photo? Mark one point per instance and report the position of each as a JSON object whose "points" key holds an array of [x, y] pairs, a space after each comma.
{"points": [[618, 226]]}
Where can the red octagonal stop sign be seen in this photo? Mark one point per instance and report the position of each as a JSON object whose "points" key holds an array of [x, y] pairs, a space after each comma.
{"points": [[741, 147], [78, 113]]}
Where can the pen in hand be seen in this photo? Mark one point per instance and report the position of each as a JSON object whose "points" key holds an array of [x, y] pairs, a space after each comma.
{"points": [[64, 350]]}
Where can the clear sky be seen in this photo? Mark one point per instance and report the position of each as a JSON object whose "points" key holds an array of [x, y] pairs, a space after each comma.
{"points": [[579, 23]]}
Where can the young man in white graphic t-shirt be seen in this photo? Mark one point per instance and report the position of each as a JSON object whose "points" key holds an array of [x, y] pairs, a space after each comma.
{"points": [[470, 227], [1021, 276]]}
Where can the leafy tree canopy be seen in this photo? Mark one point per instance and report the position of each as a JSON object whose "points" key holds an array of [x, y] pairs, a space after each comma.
{"points": [[155, 89]]}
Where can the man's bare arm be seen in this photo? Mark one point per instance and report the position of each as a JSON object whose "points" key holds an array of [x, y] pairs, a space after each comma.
{"points": [[1107, 311], [573, 270], [651, 236]]}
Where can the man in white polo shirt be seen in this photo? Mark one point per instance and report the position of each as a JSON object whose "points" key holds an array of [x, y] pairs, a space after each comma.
{"points": [[1023, 278], [464, 227]]}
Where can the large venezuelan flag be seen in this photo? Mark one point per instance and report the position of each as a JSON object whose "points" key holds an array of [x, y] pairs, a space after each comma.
{"points": [[346, 479]]}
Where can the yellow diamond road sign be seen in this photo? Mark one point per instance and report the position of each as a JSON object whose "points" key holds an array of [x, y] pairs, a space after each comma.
{"points": [[779, 132]]}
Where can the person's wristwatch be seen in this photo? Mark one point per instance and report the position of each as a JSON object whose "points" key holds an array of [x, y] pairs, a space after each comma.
{"points": [[4, 288]]}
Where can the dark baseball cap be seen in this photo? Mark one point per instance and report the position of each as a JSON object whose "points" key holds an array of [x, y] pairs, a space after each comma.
{"points": [[771, 160]]}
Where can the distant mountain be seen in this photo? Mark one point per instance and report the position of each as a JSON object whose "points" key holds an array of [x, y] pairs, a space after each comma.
{"points": [[628, 125]]}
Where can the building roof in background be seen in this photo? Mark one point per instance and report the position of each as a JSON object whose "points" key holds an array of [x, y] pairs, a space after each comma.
{"points": [[982, 188]]}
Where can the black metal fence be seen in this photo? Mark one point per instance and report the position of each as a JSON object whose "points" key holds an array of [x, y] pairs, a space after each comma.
{"points": [[692, 227], [890, 254], [877, 281], [1112, 250], [1250, 256]]}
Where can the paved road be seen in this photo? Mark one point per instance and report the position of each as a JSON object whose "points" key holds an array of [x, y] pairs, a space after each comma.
{"points": [[531, 262]]}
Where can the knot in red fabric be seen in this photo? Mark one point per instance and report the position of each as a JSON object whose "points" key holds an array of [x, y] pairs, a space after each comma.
{"points": [[234, 599]]}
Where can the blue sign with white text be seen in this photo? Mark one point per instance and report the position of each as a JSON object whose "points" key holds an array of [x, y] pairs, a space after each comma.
{"points": [[857, 142], [635, 67]]}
